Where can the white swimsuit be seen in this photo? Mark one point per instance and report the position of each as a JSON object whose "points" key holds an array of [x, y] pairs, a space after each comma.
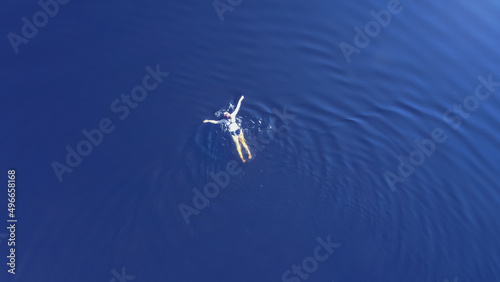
{"points": [[231, 124], [233, 127]]}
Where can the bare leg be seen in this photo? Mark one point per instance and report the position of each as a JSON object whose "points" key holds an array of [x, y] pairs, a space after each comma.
{"points": [[238, 147], [242, 140]]}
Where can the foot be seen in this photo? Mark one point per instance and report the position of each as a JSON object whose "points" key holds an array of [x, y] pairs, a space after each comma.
{"points": [[243, 160], [249, 156]]}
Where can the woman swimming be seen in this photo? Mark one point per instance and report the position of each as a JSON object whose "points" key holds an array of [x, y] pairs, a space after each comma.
{"points": [[234, 129]]}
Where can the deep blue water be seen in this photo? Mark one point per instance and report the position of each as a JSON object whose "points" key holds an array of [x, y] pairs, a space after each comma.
{"points": [[344, 167]]}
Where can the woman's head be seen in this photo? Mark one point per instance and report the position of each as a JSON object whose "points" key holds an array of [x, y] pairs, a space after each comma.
{"points": [[227, 115]]}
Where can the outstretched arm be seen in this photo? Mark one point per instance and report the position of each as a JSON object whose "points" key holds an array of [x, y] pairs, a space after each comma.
{"points": [[237, 107], [213, 121]]}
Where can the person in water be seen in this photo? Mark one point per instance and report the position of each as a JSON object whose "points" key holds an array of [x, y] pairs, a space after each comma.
{"points": [[234, 129]]}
